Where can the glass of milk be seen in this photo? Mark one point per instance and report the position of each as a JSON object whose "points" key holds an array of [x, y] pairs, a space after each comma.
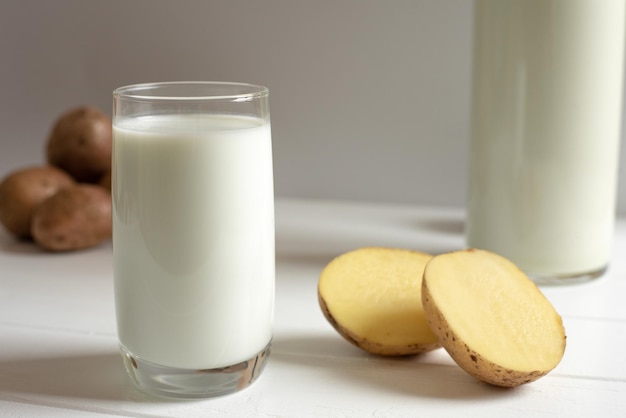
{"points": [[193, 235], [545, 134]]}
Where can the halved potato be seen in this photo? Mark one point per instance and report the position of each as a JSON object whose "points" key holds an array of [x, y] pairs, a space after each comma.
{"points": [[372, 297], [492, 319]]}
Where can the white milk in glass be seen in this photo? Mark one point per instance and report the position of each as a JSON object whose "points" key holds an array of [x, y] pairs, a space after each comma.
{"points": [[546, 130], [194, 282]]}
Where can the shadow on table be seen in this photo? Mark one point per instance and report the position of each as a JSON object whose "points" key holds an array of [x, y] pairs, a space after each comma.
{"points": [[17, 246], [444, 226], [27, 247], [87, 377], [430, 375], [319, 245]]}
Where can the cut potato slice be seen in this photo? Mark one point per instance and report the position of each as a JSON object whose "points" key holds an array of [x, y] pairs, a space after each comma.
{"points": [[372, 297], [491, 318]]}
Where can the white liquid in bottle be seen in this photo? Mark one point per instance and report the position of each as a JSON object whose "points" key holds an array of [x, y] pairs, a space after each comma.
{"points": [[546, 129]]}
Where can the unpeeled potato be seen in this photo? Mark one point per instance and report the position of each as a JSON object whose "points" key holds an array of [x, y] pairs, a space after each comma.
{"points": [[491, 318], [371, 296], [74, 218], [23, 190], [80, 143]]}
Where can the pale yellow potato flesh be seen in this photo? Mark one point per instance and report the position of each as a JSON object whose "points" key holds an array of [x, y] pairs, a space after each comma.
{"points": [[492, 319], [372, 297]]}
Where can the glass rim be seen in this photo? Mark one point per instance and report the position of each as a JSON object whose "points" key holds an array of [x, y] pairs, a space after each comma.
{"points": [[241, 91]]}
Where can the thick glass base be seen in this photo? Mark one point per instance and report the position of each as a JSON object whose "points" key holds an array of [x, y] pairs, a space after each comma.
{"points": [[561, 279], [185, 383]]}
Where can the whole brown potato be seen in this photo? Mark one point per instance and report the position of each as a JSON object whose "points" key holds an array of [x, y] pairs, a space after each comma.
{"points": [[75, 218], [23, 190], [80, 143]]}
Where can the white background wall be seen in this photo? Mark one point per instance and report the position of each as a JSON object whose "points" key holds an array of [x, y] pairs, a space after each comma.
{"points": [[369, 98]]}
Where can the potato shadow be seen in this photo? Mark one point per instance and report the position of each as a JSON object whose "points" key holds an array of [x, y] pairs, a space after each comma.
{"points": [[425, 375], [13, 245]]}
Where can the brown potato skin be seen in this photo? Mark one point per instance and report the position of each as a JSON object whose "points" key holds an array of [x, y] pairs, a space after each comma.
{"points": [[80, 143], [23, 190], [75, 218]]}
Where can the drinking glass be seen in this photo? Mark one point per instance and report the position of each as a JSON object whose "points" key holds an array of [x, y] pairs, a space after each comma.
{"points": [[193, 235]]}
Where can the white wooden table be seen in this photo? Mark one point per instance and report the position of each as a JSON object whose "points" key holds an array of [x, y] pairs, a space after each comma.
{"points": [[59, 354]]}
